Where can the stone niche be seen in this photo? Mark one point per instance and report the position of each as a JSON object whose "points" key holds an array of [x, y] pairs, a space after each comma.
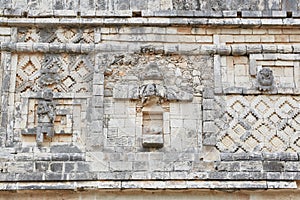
{"points": [[151, 93], [153, 130], [152, 96]]}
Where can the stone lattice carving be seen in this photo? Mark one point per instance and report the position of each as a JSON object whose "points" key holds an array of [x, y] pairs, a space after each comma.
{"points": [[61, 72], [46, 112], [259, 123], [56, 35], [265, 79], [28, 35]]}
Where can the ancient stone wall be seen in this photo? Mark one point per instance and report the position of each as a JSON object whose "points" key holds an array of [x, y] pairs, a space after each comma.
{"points": [[149, 94]]}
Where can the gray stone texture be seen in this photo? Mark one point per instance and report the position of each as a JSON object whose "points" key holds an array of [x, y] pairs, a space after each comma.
{"points": [[172, 92]]}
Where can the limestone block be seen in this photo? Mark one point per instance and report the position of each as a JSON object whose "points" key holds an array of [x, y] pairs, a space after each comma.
{"points": [[5, 31], [227, 166], [153, 141], [238, 50], [273, 166]]}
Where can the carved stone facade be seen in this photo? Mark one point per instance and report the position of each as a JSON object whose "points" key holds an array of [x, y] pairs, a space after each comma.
{"points": [[161, 95]]}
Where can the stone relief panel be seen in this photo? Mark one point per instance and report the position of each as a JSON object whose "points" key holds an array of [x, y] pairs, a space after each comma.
{"points": [[258, 123], [183, 72], [60, 72], [60, 120], [56, 35], [51, 97], [249, 74], [153, 101]]}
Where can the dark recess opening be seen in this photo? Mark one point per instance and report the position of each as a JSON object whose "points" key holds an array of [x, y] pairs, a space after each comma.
{"points": [[289, 14], [136, 13]]}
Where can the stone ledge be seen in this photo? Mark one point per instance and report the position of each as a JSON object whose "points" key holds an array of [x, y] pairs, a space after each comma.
{"points": [[259, 156], [159, 175], [132, 47], [88, 185], [19, 12], [150, 21]]}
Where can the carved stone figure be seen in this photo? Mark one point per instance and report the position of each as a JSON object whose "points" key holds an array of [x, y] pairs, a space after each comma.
{"points": [[146, 91], [46, 115], [49, 76], [265, 79]]}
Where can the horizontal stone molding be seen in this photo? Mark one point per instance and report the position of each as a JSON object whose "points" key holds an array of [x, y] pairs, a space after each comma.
{"points": [[193, 49], [223, 176], [118, 185], [150, 21], [257, 156], [150, 13]]}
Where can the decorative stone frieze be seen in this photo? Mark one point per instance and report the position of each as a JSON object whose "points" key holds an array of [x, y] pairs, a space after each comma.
{"points": [[61, 72], [118, 92], [56, 35], [258, 123]]}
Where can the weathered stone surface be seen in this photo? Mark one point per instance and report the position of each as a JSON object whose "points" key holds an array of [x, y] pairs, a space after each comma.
{"points": [[149, 94]]}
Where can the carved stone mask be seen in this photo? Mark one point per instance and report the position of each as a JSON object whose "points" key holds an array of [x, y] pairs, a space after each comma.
{"points": [[265, 79], [149, 90]]}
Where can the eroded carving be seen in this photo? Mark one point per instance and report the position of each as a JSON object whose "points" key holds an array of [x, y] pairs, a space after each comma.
{"points": [[186, 4], [265, 79], [46, 111], [149, 90], [56, 35], [152, 72], [151, 83], [60, 72], [49, 76]]}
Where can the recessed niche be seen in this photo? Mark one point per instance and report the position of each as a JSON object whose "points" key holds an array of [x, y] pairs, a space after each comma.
{"points": [[153, 129]]}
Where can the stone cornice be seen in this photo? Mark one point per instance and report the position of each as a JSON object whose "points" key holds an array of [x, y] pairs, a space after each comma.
{"points": [[149, 21]]}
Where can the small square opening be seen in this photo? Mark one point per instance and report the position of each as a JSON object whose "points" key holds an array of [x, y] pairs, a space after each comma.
{"points": [[136, 13]]}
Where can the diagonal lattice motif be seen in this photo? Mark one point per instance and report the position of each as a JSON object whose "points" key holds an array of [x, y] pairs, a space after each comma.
{"points": [[259, 123], [60, 72], [59, 35]]}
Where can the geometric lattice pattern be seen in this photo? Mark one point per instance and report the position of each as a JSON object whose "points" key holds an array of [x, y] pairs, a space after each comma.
{"points": [[259, 124], [57, 35], [59, 72]]}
